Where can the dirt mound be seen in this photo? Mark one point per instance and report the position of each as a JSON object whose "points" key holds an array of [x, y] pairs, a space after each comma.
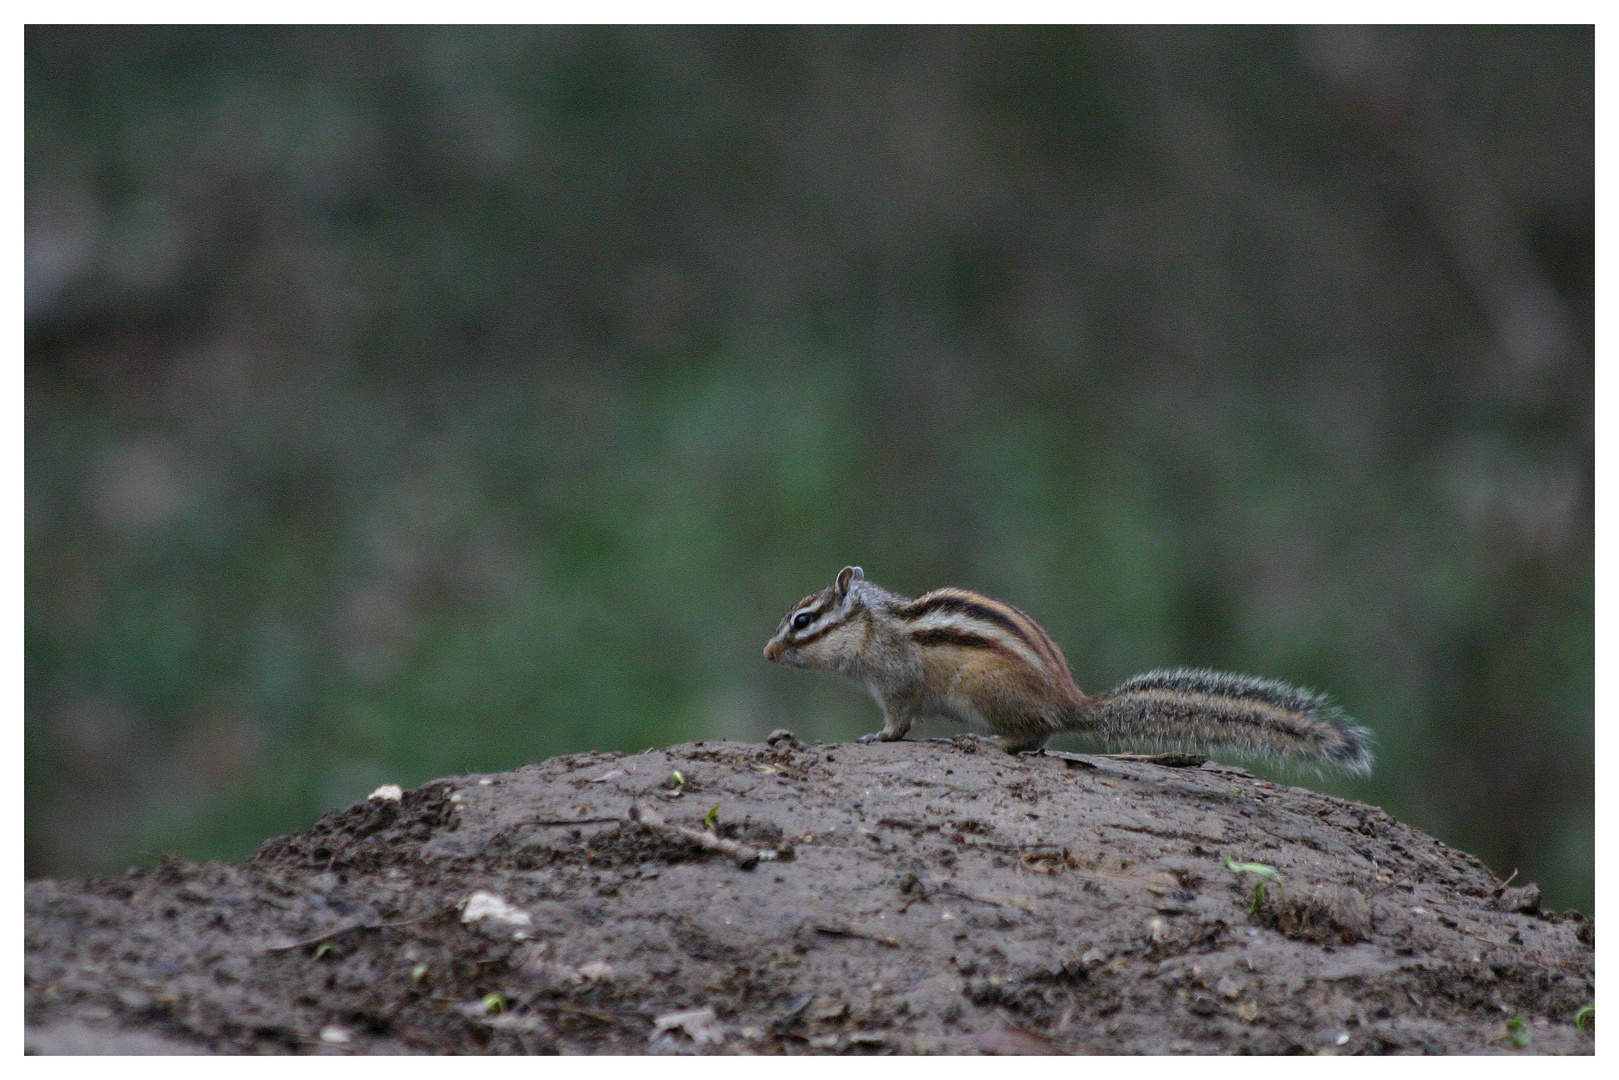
{"points": [[915, 897]]}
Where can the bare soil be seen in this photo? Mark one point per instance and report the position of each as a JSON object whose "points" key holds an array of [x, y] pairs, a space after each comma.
{"points": [[916, 897]]}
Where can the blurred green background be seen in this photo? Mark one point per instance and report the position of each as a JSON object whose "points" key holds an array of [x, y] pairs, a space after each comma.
{"points": [[408, 401]]}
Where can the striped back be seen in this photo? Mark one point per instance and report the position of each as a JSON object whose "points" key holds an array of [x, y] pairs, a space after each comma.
{"points": [[971, 620]]}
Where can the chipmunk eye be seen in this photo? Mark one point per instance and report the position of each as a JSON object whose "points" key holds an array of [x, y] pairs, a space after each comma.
{"points": [[803, 619]]}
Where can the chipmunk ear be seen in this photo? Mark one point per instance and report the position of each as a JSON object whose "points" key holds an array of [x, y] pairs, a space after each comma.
{"points": [[847, 575]]}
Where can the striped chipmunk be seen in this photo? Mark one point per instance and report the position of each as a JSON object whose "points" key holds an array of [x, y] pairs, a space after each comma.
{"points": [[964, 656]]}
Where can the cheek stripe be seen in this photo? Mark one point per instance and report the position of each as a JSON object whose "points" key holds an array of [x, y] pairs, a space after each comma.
{"points": [[816, 631]]}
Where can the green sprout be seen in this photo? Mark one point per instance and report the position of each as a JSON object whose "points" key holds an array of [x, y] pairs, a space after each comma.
{"points": [[494, 1003], [1520, 1033], [322, 949], [418, 973], [1584, 1016], [1263, 873], [711, 820]]}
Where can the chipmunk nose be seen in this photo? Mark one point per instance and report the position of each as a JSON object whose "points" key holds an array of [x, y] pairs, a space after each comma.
{"points": [[773, 649]]}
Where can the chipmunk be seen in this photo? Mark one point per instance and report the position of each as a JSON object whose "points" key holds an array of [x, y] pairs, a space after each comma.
{"points": [[961, 655]]}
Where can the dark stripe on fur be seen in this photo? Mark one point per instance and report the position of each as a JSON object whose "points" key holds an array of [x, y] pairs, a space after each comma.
{"points": [[1059, 662], [949, 636], [960, 604]]}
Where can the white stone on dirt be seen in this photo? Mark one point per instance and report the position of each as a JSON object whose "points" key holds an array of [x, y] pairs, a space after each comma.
{"points": [[700, 1024], [486, 907], [387, 793]]}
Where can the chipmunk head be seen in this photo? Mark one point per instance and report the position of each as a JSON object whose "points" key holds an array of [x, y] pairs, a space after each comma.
{"points": [[816, 632]]}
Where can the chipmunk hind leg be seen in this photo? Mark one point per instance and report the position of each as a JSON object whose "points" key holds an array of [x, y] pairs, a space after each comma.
{"points": [[1014, 708], [1019, 723], [1019, 728]]}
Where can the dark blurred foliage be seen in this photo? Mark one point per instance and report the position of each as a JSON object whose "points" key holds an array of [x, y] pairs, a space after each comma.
{"points": [[407, 401]]}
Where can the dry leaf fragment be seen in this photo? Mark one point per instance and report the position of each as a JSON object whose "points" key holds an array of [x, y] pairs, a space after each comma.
{"points": [[700, 1025]]}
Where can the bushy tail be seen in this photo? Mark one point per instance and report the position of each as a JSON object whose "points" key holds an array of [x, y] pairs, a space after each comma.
{"points": [[1196, 710]]}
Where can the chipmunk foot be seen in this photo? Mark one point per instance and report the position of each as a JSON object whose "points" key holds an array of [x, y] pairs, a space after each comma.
{"points": [[1018, 746]]}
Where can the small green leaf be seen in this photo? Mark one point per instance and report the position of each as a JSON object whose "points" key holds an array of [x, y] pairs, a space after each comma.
{"points": [[1252, 868], [1265, 873], [711, 820], [680, 781], [494, 1003], [322, 949], [1520, 1033], [1584, 1016], [418, 973]]}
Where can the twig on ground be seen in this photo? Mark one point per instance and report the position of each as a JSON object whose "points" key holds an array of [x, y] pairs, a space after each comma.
{"points": [[578, 1010], [341, 930], [846, 931], [745, 855], [574, 821], [996, 901], [996, 846], [1086, 761], [907, 823], [1169, 761]]}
